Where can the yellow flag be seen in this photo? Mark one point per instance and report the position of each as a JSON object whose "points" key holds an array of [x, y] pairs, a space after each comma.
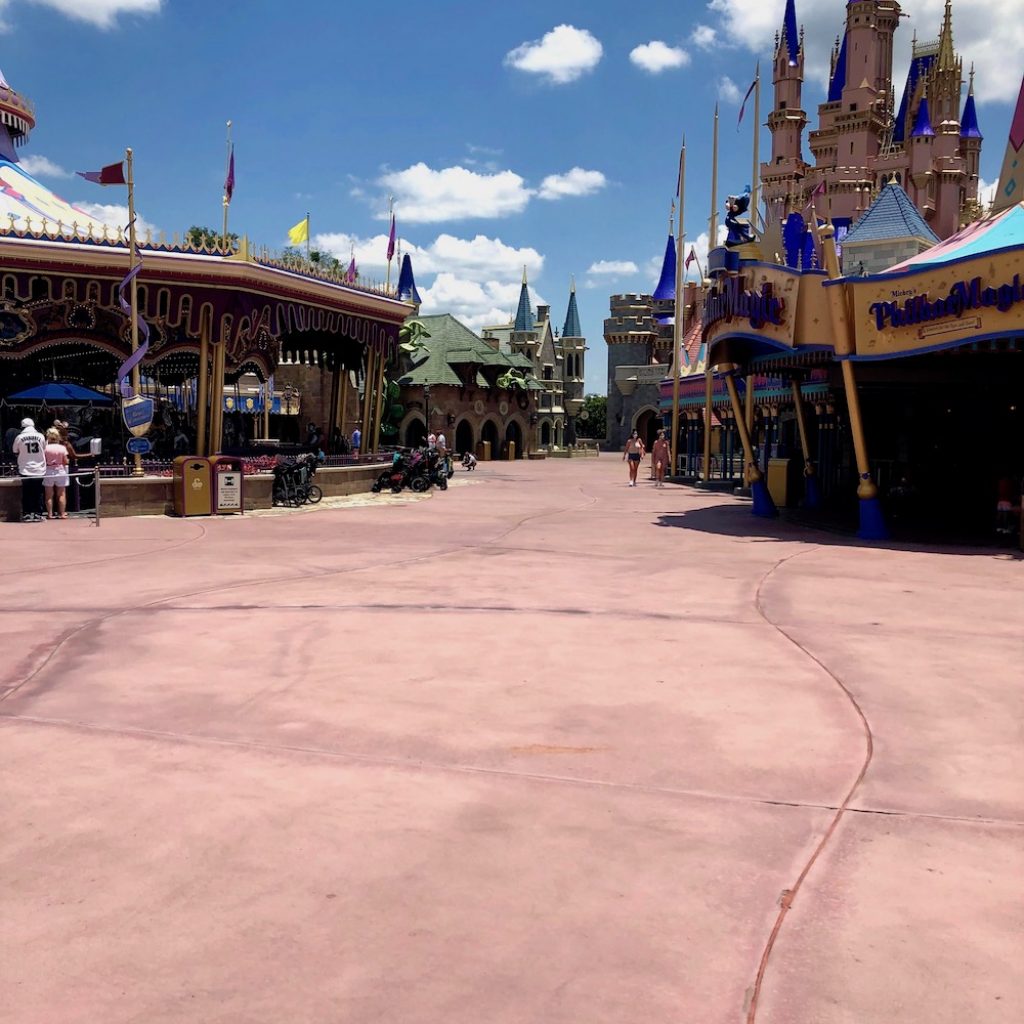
{"points": [[300, 233]]}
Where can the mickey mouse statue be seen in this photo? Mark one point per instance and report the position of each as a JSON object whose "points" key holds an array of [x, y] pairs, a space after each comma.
{"points": [[740, 231]]}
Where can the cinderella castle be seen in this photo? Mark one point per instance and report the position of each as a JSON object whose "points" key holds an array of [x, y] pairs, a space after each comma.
{"points": [[928, 146]]}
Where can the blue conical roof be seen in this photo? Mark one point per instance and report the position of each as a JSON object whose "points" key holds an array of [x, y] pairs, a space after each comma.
{"points": [[892, 215], [969, 122], [407, 282], [790, 34], [667, 282], [524, 314], [838, 83], [572, 327], [923, 121]]}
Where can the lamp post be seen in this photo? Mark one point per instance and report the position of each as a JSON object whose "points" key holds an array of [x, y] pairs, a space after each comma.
{"points": [[426, 409]]}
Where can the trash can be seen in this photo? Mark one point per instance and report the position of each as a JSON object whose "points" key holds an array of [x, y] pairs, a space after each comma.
{"points": [[483, 451], [228, 486], [510, 451], [191, 485], [778, 481]]}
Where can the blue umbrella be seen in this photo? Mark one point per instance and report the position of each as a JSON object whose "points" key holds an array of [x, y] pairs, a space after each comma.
{"points": [[59, 393]]}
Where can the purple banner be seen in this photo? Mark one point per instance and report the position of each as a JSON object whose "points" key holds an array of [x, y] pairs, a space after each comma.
{"points": [[138, 355]]}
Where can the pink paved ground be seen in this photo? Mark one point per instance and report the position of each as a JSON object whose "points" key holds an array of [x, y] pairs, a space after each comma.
{"points": [[540, 749]]}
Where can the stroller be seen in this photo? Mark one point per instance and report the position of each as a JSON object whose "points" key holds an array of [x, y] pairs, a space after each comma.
{"points": [[394, 478], [293, 482]]}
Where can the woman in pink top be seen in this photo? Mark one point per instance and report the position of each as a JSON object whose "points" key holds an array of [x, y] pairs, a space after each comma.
{"points": [[56, 478]]}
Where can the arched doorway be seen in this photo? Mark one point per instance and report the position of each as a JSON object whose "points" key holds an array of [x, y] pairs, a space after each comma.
{"points": [[464, 437], [647, 425], [514, 435], [489, 432], [545, 434], [415, 435]]}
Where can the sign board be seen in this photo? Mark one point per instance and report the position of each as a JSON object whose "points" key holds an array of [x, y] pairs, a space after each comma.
{"points": [[651, 374], [938, 307], [139, 446], [138, 414], [229, 491]]}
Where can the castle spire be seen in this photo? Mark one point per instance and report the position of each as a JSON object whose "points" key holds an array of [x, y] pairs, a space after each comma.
{"points": [[969, 122], [792, 38], [946, 60], [524, 314], [667, 282], [572, 328], [923, 121]]}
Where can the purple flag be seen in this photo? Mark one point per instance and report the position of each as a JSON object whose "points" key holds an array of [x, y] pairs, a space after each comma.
{"points": [[137, 356], [112, 174], [351, 273], [229, 181], [391, 240], [743, 105]]}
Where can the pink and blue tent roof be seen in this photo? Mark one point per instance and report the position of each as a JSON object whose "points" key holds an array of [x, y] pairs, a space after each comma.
{"points": [[1000, 232], [56, 392]]}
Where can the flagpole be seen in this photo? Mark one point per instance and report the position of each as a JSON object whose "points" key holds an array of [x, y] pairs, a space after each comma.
{"points": [[680, 312], [134, 288], [307, 236], [391, 227], [227, 202], [755, 182], [713, 219]]}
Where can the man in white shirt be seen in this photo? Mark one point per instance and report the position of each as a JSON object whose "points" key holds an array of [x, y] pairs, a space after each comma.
{"points": [[442, 443], [30, 447]]}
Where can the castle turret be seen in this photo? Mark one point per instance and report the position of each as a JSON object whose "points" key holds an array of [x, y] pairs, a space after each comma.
{"points": [[525, 338], [17, 119], [782, 175], [574, 347]]}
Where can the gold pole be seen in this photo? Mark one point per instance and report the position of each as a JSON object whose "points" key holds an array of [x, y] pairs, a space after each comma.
{"points": [[307, 236], [801, 425], [755, 182], [748, 410], [343, 400], [680, 313], [268, 401], [332, 413], [378, 414], [709, 385], [753, 473], [136, 370], [217, 398], [203, 397], [391, 211], [713, 220], [227, 202], [370, 374]]}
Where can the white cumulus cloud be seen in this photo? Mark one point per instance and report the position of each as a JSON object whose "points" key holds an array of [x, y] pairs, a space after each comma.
{"points": [[115, 216], [576, 182], [40, 165], [101, 13], [561, 55], [705, 37], [475, 303], [424, 195], [613, 268], [657, 56], [988, 32], [700, 247], [728, 90]]}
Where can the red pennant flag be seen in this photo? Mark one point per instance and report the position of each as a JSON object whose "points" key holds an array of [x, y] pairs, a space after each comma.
{"points": [[819, 190], [691, 257], [112, 174]]}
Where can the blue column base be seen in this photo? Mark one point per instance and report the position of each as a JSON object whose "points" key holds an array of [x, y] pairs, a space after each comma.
{"points": [[812, 493], [872, 523], [763, 504]]}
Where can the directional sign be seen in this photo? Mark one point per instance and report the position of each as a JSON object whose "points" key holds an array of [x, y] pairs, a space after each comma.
{"points": [[139, 446]]}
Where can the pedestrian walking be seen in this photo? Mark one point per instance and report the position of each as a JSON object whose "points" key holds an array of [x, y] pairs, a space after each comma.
{"points": [[30, 447], [634, 453], [660, 456], [357, 440]]}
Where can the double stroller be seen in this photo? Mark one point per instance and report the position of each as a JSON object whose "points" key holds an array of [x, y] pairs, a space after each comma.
{"points": [[293, 481], [418, 470]]}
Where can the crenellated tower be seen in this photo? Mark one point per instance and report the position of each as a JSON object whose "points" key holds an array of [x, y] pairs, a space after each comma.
{"points": [[782, 175]]}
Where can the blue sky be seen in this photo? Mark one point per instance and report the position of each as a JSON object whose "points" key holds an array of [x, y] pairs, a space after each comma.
{"points": [[504, 138]]}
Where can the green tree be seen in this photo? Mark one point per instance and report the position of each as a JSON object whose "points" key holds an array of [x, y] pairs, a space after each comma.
{"points": [[207, 238], [592, 422]]}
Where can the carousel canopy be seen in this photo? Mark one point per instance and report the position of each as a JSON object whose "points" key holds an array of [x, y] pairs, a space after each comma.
{"points": [[57, 392], [22, 197]]}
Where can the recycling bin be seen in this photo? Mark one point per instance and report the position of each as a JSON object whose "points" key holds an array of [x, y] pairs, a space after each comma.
{"points": [[483, 451], [191, 486], [228, 484]]}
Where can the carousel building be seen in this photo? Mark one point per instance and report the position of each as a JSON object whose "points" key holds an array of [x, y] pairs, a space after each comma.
{"points": [[213, 314]]}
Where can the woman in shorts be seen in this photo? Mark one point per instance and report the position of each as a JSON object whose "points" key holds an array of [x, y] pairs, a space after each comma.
{"points": [[634, 453], [56, 478]]}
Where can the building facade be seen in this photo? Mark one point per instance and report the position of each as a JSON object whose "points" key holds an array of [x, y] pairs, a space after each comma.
{"points": [[927, 143]]}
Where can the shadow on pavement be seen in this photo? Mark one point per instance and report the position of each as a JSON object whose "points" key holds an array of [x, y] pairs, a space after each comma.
{"points": [[737, 521]]}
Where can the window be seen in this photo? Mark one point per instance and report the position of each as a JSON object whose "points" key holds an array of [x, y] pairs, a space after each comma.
{"points": [[549, 372]]}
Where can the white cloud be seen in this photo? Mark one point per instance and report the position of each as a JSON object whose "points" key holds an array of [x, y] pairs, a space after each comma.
{"points": [[425, 196], [474, 303], [474, 259], [40, 165], [613, 268], [101, 13], [701, 248], [576, 182], [728, 90], [562, 55], [657, 56], [705, 37], [116, 217], [987, 192], [988, 32]]}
